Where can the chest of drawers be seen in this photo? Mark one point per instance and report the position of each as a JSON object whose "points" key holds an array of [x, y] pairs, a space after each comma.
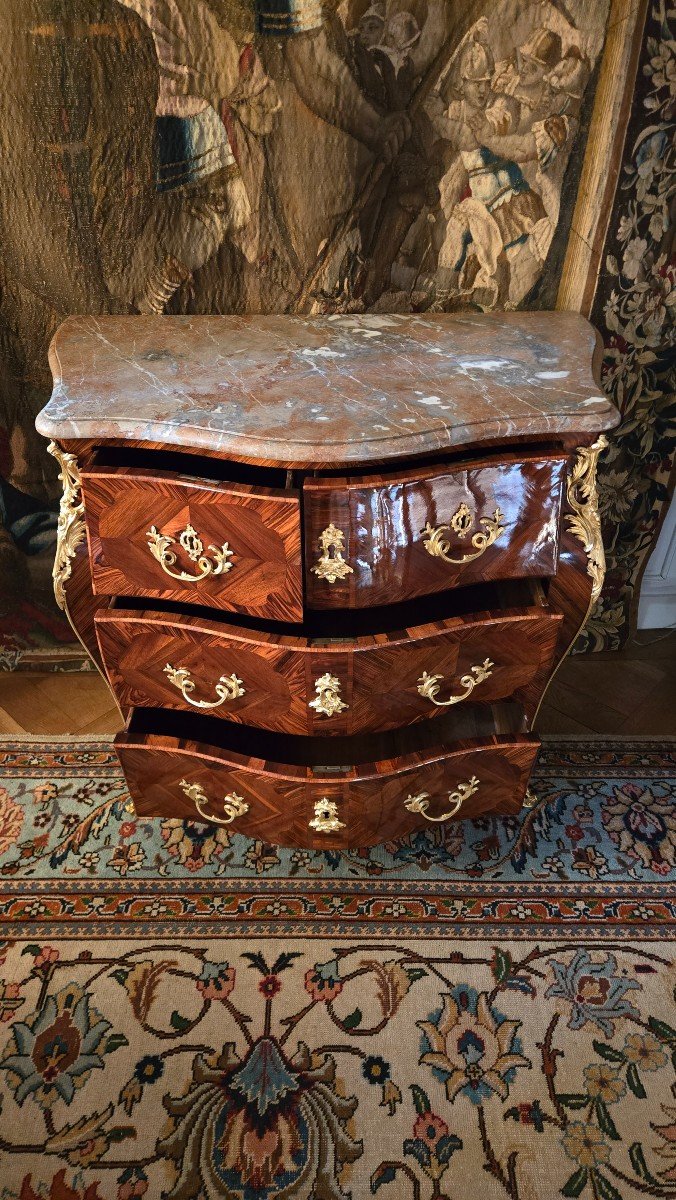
{"points": [[327, 565]]}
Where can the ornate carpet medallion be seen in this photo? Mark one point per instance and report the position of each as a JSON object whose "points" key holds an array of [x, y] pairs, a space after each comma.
{"points": [[188, 1014]]}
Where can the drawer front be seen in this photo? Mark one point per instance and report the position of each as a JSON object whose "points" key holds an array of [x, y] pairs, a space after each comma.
{"points": [[373, 542], [223, 545], [293, 685], [169, 778], [296, 806], [458, 785]]}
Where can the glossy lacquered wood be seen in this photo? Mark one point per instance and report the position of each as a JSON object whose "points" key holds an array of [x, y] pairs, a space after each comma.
{"points": [[384, 521], [261, 527], [369, 797], [377, 676]]}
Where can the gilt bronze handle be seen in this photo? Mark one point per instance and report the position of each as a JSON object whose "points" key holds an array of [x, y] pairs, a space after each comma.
{"points": [[421, 802], [437, 544], [190, 541], [229, 687], [428, 685], [233, 805]]}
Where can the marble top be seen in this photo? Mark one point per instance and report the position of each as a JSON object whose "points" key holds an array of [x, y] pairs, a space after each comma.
{"points": [[311, 391]]}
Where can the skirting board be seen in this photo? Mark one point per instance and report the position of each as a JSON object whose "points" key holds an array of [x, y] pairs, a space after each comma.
{"points": [[657, 602], [657, 606]]}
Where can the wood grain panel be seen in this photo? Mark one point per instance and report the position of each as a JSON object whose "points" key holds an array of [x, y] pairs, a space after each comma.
{"points": [[369, 798], [261, 527], [383, 519], [501, 765], [82, 604], [378, 674]]}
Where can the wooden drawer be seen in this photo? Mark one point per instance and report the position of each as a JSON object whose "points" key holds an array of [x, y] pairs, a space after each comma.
{"points": [[377, 540], [417, 777], [328, 685], [229, 546]]}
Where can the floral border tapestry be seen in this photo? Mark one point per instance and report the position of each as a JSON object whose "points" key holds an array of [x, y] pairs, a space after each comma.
{"points": [[635, 306]]}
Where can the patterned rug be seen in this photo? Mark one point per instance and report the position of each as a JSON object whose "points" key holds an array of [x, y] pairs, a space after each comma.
{"points": [[188, 1014]]}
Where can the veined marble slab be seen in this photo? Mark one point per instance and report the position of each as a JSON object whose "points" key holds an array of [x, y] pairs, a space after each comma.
{"points": [[310, 391]]}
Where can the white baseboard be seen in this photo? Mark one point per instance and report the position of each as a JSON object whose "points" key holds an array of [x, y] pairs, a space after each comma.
{"points": [[657, 605], [657, 602]]}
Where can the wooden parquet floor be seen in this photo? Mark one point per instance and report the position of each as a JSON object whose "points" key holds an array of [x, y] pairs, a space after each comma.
{"points": [[629, 693]]}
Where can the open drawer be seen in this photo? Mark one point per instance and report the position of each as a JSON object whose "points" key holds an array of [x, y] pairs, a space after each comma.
{"points": [[171, 536], [312, 792], [481, 644], [381, 539]]}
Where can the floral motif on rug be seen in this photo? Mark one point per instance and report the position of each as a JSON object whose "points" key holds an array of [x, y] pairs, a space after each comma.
{"points": [[191, 1016], [266, 1068]]}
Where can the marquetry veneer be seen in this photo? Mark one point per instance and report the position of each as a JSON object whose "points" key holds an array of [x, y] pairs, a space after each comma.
{"points": [[328, 565]]}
